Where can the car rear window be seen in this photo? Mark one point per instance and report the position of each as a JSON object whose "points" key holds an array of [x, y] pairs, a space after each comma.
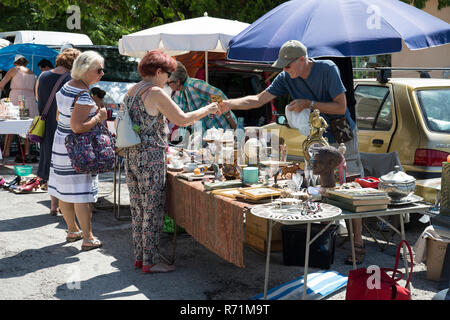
{"points": [[435, 107]]}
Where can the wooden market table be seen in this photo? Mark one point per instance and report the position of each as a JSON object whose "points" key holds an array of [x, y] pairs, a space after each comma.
{"points": [[216, 222]]}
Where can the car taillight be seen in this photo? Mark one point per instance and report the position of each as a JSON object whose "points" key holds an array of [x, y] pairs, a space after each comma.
{"points": [[429, 157]]}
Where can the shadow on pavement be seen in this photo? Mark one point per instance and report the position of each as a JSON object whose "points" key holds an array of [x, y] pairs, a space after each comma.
{"points": [[31, 260]]}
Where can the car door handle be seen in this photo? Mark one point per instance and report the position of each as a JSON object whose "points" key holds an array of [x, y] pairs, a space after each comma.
{"points": [[377, 142]]}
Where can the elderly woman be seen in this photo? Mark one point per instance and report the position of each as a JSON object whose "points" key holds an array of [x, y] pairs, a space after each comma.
{"points": [[44, 87], [22, 87], [77, 112], [145, 164]]}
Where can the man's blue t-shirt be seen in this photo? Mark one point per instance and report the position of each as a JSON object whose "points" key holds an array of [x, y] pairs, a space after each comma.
{"points": [[322, 85]]}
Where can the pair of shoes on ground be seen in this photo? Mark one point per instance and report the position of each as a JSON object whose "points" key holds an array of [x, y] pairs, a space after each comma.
{"points": [[154, 268], [73, 236], [12, 184], [30, 185], [360, 253]]}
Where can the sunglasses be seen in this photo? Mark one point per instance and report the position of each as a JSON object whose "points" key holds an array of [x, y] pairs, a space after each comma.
{"points": [[170, 82], [100, 70], [290, 64]]}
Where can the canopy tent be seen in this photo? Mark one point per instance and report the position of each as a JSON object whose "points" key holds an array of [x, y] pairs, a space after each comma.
{"points": [[32, 52], [339, 28], [198, 34]]}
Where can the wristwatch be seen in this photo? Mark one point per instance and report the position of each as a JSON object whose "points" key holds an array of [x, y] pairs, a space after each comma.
{"points": [[311, 106]]}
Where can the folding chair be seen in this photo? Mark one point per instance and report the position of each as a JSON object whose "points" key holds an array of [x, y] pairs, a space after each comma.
{"points": [[376, 165]]}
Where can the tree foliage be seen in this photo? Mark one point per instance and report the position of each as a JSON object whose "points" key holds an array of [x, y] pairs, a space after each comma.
{"points": [[105, 21]]}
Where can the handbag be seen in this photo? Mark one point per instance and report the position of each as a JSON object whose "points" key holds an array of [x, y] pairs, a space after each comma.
{"points": [[36, 131], [126, 136], [361, 284], [91, 152], [341, 130]]}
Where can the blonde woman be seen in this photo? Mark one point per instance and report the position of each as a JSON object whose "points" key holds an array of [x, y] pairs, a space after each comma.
{"points": [[76, 191]]}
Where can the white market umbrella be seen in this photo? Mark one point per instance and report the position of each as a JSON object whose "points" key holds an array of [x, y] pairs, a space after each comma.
{"points": [[197, 34], [4, 43]]}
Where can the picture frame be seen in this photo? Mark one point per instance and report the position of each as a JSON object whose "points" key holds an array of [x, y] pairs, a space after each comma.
{"points": [[228, 192], [261, 192]]}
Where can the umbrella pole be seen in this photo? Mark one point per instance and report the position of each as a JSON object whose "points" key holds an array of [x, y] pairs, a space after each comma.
{"points": [[206, 67]]}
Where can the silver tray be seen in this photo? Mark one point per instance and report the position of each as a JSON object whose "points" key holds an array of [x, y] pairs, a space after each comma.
{"points": [[290, 214], [407, 200]]}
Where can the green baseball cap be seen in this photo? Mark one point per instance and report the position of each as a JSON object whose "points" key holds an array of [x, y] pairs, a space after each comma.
{"points": [[289, 51]]}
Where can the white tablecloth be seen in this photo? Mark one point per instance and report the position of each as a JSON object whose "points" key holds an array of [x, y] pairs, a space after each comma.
{"points": [[19, 127]]}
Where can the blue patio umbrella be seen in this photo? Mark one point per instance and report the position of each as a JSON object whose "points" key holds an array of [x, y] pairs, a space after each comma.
{"points": [[33, 52], [339, 28]]}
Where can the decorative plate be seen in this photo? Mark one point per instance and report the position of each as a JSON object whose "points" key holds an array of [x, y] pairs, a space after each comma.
{"points": [[293, 213]]}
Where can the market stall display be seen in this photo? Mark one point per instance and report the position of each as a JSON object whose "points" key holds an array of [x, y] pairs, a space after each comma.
{"points": [[214, 210]]}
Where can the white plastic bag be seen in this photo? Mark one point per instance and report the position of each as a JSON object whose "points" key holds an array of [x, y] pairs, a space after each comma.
{"points": [[298, 120]]}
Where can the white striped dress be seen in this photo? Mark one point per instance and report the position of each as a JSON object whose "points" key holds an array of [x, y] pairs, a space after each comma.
{"points": [[64, 182]]}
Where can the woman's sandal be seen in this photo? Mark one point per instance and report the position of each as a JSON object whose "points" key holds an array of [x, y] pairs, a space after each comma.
{"points": [[78, 235], [360, 253], [29, 186], [95, 243], [8, 185], [158, 268]]}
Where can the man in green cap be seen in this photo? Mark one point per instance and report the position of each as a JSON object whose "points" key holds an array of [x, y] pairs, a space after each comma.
{"points": [[314, 84]]}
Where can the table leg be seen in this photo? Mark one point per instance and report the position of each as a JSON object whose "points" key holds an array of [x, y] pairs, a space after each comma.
{"points": [[174, 241], [269, 242], [114, 184], [405, 254], [352, 242], [305, 269], [118, 200]]}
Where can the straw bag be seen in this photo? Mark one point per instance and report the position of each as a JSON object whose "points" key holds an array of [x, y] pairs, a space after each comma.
{"points": [[36, 131]]}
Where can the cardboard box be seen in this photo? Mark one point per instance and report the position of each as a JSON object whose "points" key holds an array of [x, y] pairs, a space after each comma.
{"points": [[256, 233], [260, 243], [258, 226], [435, 258]]}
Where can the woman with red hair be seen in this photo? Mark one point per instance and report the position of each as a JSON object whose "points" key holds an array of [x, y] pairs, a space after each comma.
{"points": [[145, 164]]}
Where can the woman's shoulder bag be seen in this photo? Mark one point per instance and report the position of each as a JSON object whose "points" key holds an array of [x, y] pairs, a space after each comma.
{"points": [[126, 136], [36, 131], [91, 152]]}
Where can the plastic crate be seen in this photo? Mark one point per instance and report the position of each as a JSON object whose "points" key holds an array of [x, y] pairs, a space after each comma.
{"points": [[321, 251]]}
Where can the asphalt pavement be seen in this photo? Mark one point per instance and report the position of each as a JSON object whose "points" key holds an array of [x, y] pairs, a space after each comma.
{"points": [[36, 263]]}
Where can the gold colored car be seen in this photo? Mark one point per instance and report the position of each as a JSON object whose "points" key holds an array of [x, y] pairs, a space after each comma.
{"points": [[407, 115]]}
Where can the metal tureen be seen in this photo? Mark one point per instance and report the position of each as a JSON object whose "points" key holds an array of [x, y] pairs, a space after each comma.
{"points": [[397, 184]]}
